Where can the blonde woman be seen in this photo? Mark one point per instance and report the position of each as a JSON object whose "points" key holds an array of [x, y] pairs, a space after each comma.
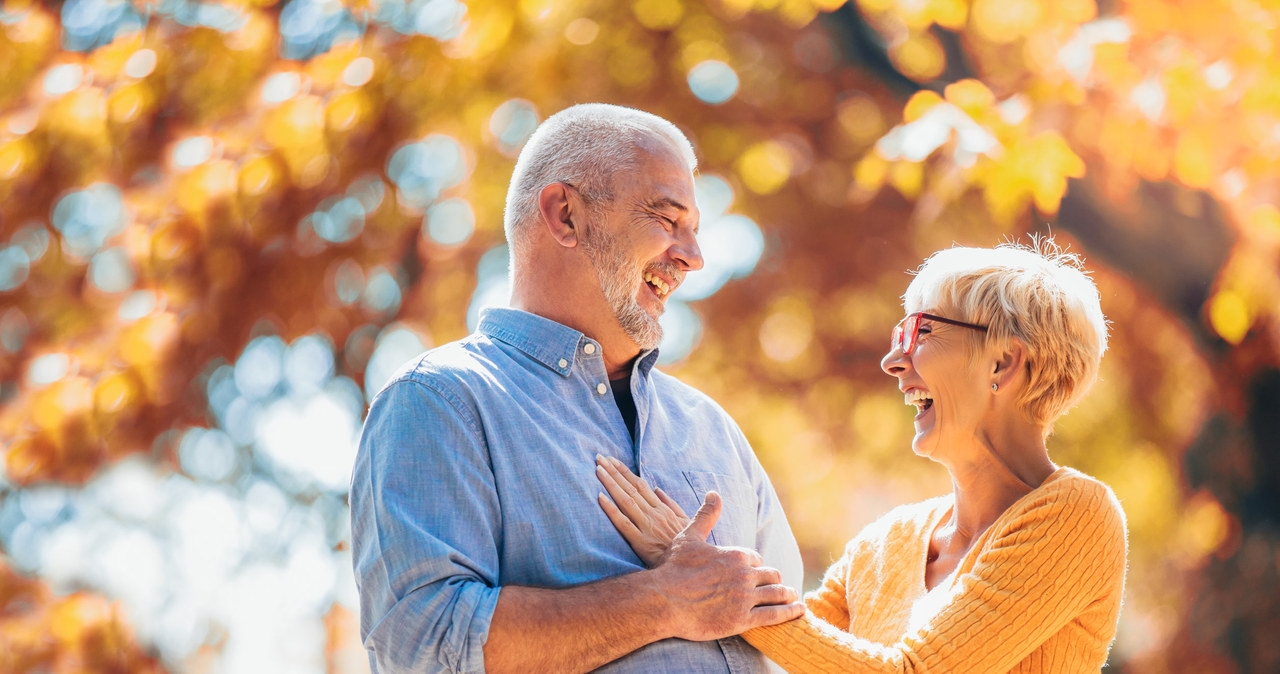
{"points": [[1021, 567]]}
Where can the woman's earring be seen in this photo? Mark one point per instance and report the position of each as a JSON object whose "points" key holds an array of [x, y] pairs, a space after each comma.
{"points": [[995, 386]]}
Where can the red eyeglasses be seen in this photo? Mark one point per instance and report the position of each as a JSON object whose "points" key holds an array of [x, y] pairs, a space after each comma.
{"points": [[907, 331]]}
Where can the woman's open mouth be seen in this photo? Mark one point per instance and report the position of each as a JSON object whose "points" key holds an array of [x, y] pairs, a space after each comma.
{"points": [[920, 398]]}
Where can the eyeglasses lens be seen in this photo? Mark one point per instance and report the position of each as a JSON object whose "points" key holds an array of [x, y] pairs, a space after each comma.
{"points": [[910, 330]]}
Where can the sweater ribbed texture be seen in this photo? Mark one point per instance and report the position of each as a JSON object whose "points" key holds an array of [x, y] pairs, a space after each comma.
{"points": [[1039, 591]]}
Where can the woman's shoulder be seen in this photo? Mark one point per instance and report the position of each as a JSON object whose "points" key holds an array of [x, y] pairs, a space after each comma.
{"points": [[1085, 491], [1071, 496]]}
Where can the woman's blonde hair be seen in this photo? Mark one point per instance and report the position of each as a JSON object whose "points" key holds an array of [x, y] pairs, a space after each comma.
{"points": [[1040, 294]]}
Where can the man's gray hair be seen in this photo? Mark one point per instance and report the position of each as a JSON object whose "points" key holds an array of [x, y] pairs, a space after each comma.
{"points": [[585, 146]]}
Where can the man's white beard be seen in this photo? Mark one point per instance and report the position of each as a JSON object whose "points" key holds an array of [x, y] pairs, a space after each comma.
{"points": [[618, 279]]}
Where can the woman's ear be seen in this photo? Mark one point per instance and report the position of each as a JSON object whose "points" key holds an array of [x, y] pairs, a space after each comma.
{"points": [[558, 205], [1008, 363]]}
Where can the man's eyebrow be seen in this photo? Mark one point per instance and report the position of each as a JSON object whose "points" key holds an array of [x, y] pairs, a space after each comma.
{"points": [[668, 202]]}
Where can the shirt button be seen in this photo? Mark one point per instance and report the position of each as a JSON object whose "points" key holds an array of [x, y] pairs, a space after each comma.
{"points": [[563, 363], [601, 388], [589, 348]]}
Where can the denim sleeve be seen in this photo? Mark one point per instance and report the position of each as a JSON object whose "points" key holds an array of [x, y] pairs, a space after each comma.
{"points": [[425, 528]]}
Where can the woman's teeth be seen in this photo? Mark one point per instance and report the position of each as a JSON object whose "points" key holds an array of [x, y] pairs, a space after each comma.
{"points": [[921, 398], [660, 286]]}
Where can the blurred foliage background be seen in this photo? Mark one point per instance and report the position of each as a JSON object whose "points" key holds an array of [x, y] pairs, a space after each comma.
{"points": [[223, 224]]}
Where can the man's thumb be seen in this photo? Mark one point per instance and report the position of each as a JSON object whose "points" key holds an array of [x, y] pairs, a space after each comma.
{"points": [[705, 518]]}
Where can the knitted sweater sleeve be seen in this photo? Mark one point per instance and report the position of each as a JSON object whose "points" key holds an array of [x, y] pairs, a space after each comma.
{"points": [[1062, 551]]}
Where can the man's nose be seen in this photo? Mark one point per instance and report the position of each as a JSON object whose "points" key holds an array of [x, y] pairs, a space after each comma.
{"points": [[687, 253]]}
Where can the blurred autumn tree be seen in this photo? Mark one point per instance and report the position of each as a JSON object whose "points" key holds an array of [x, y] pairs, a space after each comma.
{"points": [[222, 223]]}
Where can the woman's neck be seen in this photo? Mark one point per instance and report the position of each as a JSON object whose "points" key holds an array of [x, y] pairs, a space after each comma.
{"points": [[992, 479]]}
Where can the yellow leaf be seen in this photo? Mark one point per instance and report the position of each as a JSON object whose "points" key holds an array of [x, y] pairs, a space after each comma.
{"points": [[950, 14], [1229, 315], [1003, 21], [907, 177], [919, 57], [765, 167], [1193, 160], [870, 172], [970, 95], [920, 103], [658, 14]]}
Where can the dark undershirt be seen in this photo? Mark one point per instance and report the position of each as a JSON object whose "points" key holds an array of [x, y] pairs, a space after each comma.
{"points": [[626, 405]]}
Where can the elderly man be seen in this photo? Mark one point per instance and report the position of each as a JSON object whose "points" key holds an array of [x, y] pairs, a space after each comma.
{"points": [[478, 541]]}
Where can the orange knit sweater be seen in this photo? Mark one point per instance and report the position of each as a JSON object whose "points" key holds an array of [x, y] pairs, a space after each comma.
{"points": [[1039, 592]]}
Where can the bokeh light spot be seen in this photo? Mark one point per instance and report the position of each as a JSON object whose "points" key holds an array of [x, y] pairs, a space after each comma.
{"points": [[658, 14], [15, 265], [281, 87], [138, 304], [49, 368], [89, 217], [260, 367], [424, 169], [111, 271], [311, 27], [493, 283], [1230, 316], [450, 222], [765, 167], [358, 72], [382, 295], [207, 455], [713, 82], [581, 31], [33, 238], [308, 364], [512, 123], [63, 79], [441, 19], [341, 222], [394, 347], [193, 151], [140, 64], [681, 330], [348, 281]]}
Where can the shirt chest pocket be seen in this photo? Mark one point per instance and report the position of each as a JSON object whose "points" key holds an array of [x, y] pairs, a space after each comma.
{"points": [[737, 523]]}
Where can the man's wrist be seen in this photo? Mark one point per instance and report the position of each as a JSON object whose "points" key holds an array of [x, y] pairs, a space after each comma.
{"points": [[653, 598]]}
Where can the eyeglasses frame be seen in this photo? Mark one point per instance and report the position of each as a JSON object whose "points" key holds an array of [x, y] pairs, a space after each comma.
{"points": [[899, 339]]}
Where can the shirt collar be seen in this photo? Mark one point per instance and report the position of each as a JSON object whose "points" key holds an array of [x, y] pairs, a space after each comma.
{"points": [[544, 340]]}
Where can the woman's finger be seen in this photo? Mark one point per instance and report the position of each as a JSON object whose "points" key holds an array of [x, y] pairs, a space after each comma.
{"points": [[626, 501], [642, 488], [670, 502], [620, 521], [610, 467]]}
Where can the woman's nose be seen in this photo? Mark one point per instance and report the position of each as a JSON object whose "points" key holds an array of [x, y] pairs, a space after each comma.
{"points": [[894, 363]]}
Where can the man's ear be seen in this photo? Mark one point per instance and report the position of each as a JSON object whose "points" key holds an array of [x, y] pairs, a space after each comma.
{"points": [[1009, 361], [559, 205]]}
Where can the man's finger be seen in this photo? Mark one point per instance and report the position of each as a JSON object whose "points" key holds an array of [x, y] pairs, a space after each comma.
{"points": [[705, 518], [766, 575], [772, 615], [769, 595]]}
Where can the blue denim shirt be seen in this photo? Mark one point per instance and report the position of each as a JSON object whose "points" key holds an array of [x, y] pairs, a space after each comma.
{"points": [[476, 469]]}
